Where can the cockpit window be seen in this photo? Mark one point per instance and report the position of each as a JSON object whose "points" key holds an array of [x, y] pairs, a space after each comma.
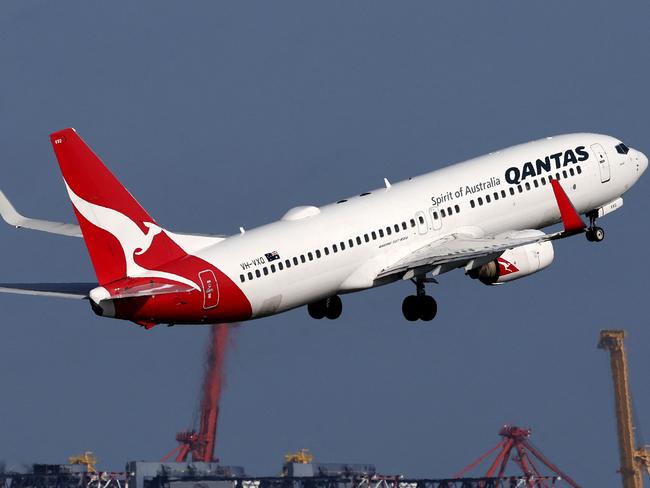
{"points": [[622, 149]]}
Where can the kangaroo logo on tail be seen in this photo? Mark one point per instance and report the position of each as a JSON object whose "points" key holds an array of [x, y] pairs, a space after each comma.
{"points": [[132, 239]]}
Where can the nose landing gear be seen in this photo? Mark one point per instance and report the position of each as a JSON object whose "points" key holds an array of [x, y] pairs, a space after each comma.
{"points": [[330, 307], [420, 306], [594, 233]]}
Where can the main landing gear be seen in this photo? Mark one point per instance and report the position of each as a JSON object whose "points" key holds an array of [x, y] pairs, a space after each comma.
{"points": [[420, 306], [330, 307], [594, 233]]}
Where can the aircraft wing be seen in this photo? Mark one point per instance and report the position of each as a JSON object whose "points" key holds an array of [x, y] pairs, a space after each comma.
{"points": [[13, 217], [61, 290], [456, 250], [10, 215], [82, 290]]}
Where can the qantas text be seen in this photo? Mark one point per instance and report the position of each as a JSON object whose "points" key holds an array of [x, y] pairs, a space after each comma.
{"points": [[549, 163]]}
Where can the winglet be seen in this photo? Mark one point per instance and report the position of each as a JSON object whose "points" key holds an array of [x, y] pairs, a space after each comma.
{"points": [[15, 218], [570, 218]]}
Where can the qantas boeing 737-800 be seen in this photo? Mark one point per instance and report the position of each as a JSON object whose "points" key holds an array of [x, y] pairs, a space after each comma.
{"points": [[483, 216]]}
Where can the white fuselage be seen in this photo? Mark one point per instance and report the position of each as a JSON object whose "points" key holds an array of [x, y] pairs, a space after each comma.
{"points": [[594, 175]]}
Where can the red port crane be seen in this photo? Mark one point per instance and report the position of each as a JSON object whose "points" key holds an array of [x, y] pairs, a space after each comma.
{"points": [[201, 443], [515, 446]]}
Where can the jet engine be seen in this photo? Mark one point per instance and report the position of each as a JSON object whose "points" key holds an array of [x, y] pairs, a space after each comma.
{"points": [[515, 263]]}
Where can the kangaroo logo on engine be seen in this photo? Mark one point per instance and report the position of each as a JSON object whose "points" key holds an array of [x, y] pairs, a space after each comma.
{"points": [[515, 174]]}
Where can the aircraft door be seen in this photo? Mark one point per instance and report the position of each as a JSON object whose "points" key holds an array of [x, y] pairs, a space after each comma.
{"points": [[421, 219], [603, 162], [210, 289], [436, 220]]}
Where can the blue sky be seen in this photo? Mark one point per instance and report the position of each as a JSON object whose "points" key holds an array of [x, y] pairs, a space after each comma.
{"points": [[224, 114]]}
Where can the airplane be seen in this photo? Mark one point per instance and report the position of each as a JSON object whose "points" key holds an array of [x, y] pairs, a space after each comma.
{"points": [[483, 216]]}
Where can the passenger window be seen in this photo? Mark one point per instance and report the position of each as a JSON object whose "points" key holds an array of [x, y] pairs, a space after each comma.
{"points": [[487, 199], [318, 254], [503, 193], [295, 261], [543, 180], [579, 169], [564, 175], [350, 243], [273, 268], [280, 266], [480, 200], [435, 215], [241, 278], [381, 232], [310, 256], [334, 248], [342, 246], [520, 188], [358, 240], [250, 276], [412, 223], [421, 219], [527, 186], [557, 176], [571, 172], [512, 191], [257, 273], [374, 235], [366, 238], [302, 258], [327, 251], [396, 228], [496, 196], [265, 270], [388, 231], [536, 183], [472, 204], [457, 208], [404, 225], [449, 211], [442, 212]]}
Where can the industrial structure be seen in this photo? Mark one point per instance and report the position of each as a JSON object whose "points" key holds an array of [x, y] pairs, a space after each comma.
{"points": [[516, 447], [634, 460], [201, 443], [209, 475]]}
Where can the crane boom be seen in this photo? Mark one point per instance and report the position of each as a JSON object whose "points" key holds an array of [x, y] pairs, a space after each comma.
{"points": [[613, 341]]}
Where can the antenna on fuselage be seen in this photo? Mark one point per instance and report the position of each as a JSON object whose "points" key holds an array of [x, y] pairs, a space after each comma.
{"points": [[387, 183]]}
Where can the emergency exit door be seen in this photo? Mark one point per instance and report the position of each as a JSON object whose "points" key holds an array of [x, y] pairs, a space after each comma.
{"points": [[603, 162]]}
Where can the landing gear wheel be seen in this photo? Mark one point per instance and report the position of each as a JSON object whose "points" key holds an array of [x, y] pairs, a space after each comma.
{"points": [[410, 308], [333, 307], [428, 307], [316, 310], [595, 234], [599, 234]]}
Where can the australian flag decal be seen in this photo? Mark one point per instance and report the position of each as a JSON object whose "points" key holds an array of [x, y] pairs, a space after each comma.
{"points": [[272, 256]]}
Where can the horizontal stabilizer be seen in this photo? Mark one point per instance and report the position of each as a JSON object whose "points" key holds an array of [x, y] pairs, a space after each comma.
{"points": [[61, 290], [152, 289], [13, 217]]}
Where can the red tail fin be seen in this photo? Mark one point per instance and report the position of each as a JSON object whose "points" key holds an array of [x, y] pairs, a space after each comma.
{"points": [[114, 225]]}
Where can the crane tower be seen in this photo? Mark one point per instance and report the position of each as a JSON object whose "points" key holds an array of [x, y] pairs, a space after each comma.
{"points": [[632, 459]]}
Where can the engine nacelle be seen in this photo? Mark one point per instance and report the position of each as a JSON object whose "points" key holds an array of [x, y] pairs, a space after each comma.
{"points": [[516, 263]]}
